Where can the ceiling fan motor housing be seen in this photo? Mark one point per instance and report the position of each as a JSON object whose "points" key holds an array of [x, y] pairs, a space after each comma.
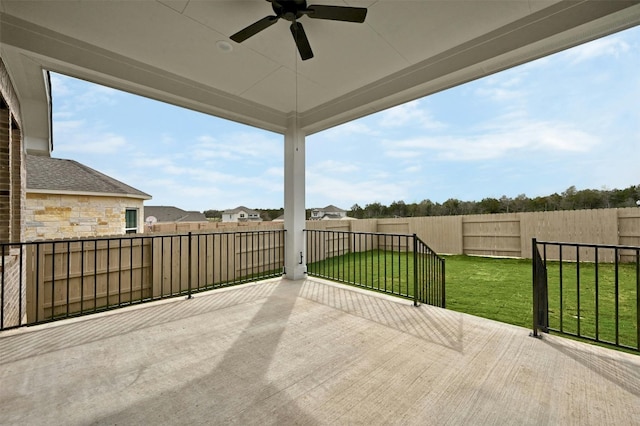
{"points": [[289, 9]]}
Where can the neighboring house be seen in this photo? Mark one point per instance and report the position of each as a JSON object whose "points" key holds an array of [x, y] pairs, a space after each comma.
{"points": [[66, 199], [241, 214], [330, 212], [170, 214]]}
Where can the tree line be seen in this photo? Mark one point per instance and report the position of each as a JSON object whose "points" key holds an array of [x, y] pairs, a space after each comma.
{"points": [[570, 199]]}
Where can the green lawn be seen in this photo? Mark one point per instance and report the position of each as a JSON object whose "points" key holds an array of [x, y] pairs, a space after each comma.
{"points": [[501, 289], [381, 270], [498, 289]]}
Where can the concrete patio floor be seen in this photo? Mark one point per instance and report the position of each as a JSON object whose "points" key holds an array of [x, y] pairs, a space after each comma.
{"points": [[306, 352]]}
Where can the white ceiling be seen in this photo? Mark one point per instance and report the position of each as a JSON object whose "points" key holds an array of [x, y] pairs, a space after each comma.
{"points": [[167, 50]]}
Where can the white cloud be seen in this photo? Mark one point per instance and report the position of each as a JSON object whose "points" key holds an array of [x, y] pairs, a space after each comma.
{"points": [[344, 192], [334, 167], [611, 46], [275, 171], [349, 129], [240, 145], [409, 113], [500, 94], [60, 85], [72, 137], [77, 96], [497, 142], [504, 87]]}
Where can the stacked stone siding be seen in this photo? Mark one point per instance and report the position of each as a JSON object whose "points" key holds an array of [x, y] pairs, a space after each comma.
{"points": [[52, 216]]}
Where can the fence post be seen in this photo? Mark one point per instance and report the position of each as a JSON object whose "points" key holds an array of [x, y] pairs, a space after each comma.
{"points": [[415, 270], [189, 263]]}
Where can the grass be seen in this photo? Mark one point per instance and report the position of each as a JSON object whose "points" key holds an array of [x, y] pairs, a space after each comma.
{"points": [[501, 289], [380, 270], [498, 289], [566, 316]]}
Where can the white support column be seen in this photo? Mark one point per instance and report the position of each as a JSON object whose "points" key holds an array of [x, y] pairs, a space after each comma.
{"points": [[294, 204]]}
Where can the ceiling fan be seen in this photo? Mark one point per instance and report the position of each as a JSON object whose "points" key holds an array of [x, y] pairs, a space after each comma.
{"points": [[292, 10]]}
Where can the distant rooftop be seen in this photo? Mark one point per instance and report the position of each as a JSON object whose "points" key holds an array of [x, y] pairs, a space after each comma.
{"points": [[240, 209], [330, 209], [173, 214], [46, 174]]}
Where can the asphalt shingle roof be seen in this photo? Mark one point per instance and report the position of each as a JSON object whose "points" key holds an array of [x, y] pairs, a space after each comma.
{"points": [[332, 209], [56, 174], [173, 214], [240, 209]]}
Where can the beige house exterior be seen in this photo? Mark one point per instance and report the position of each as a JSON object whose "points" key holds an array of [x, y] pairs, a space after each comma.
{"points": [[66, 199], [330, 212], [241, 214]]}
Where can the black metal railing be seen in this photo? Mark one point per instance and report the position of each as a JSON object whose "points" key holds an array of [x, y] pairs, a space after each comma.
{"points": [[48, 280], [589, 291], [401, 265]]}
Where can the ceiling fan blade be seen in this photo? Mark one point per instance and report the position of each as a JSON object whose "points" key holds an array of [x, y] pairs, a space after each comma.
{"points": [[254, 28], [301, 41], [337, 13]]}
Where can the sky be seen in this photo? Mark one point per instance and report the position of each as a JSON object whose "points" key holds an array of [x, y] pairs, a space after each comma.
{"points": [[570, 119]]}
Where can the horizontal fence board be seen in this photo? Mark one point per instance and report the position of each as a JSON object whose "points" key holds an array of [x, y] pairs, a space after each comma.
{"points": [[508, 234]]}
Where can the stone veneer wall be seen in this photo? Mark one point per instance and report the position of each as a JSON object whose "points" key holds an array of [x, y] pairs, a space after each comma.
{"points": [[53, 216]]}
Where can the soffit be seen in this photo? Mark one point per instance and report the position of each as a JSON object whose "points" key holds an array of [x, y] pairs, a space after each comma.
{"points": [[405, 50]]}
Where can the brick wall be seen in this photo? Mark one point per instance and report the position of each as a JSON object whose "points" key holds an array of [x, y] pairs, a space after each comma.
{"points": [[5, 173], [53, 216], [18, 176], [14, 299], [12, 195]]}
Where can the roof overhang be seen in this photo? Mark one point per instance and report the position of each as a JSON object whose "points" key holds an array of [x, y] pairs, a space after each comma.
{"points": [[87, 194]]}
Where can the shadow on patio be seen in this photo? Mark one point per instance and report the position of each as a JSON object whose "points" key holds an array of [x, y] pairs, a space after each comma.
{"points": [[306, 352]]}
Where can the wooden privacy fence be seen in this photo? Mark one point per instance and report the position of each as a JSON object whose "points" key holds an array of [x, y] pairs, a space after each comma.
{"points": [[507, 234], [67, 278]]}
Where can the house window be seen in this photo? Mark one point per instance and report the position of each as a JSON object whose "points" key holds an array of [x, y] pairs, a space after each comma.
{"points": [[241, 214], [131, 221]]}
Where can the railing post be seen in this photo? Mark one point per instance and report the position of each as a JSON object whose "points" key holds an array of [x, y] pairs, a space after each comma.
{"points": [[534, 249], [540, 302], [2, 292], [443, 283], [415, 270], [189, 265]]}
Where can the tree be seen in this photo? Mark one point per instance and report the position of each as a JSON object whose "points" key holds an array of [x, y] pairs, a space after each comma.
{"points": [[489, 205], [425, 208], [374, 210], [451, 207], [356, 211], [213, 214], [398, 209]]}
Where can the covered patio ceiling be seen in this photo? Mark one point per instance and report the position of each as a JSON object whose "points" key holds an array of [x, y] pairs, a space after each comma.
{"points": [[179, 51]]}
